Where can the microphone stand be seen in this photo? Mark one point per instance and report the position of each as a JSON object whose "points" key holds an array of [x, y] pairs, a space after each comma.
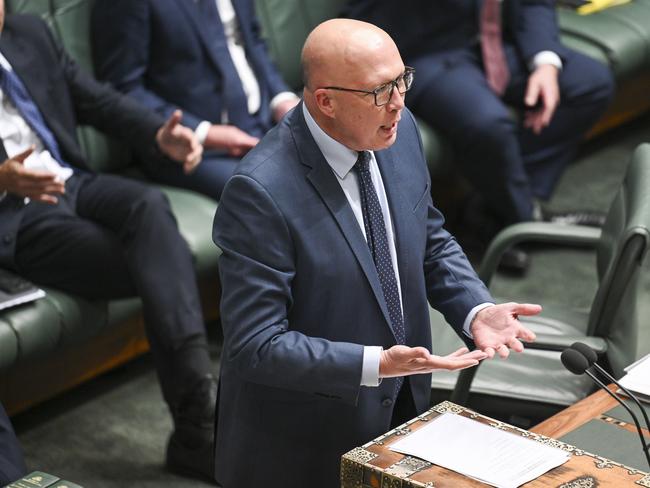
{"points": [[646, 447], [627, 392]]}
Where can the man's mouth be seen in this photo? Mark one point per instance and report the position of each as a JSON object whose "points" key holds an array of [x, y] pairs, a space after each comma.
{"points": [[390, 129]]}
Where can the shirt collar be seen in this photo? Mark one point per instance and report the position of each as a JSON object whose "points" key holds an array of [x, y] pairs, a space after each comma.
{"points": [[340, 158]]}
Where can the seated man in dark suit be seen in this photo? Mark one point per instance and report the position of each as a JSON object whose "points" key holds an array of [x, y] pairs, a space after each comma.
{"points": [[474, 60], [12, 464], [205, 57], [327, 339], [101, 236]]}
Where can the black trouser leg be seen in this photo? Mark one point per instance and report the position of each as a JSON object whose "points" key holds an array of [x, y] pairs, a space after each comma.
{"points": [[118, 239]]}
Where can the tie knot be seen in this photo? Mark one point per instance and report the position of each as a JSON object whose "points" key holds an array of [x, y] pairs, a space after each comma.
{"points": [[363, 161]]}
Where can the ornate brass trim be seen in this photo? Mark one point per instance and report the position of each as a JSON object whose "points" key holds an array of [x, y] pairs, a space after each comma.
{"points": [[407, 466]]}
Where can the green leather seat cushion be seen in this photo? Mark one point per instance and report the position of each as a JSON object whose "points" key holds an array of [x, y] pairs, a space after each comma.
{"points": [[621, 33]]}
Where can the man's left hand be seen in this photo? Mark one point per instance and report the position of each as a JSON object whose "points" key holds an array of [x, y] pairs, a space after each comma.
{"points": [[543, 88], [179, 143], [283, 107], [495, 329]]}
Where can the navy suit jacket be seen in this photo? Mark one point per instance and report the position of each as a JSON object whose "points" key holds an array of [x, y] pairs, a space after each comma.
{"points": [[301, 297], [160, 52], [435, 32], [67, 97]]}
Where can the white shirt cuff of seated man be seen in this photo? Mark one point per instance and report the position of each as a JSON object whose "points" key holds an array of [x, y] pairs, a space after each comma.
{"points": [[282, 97], [201, 131], [545, 57]]}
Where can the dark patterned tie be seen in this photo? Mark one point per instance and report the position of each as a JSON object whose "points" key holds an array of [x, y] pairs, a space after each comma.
{"points": [[494, 58], [373, 221], [14, 89]]}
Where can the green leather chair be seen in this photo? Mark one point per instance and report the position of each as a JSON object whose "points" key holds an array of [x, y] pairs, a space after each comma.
{"points": [[535, 383], [61, 340]]}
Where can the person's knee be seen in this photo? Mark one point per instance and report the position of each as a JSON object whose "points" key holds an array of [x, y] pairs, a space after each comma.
{"points": [[493, 132], [586, 78], [153, 203]]}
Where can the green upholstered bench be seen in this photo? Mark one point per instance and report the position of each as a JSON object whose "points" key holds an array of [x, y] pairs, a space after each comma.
{"points": [[619, 37], [61, 340]]}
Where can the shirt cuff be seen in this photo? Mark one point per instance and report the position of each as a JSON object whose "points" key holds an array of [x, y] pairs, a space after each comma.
{"points": [[545, 57], [282, 97], [370, 368], [201, 131], [470, 317]]}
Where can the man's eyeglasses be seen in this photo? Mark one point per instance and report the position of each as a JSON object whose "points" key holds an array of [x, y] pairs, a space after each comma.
{"points": [[384, 93]]}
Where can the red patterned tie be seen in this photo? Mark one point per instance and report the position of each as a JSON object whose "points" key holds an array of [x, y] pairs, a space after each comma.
{"points": [[494, 58]]}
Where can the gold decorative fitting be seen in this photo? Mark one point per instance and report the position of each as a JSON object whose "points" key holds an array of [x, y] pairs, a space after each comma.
{"points": [[582, 482]]}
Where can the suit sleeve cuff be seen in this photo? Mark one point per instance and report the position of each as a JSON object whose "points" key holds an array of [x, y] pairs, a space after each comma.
{"points": [[545, 57], [282, 97], [470, 318], [370, 368], [201, 131]]}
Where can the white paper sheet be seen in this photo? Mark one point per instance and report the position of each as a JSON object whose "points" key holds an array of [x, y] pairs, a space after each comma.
{"points": [[637, 379], [485, 453]]}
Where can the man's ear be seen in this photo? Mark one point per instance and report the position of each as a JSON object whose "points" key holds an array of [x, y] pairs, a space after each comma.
{"points": [[324, 102]]}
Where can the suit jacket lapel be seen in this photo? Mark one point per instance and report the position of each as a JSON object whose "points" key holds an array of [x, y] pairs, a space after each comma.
{"points": [[192, 11], [388, 162], [324, 181]]}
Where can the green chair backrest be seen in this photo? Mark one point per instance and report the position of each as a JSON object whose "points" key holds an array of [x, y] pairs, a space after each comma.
{"points": [[620, 311], [285, 26], [70, 22]]}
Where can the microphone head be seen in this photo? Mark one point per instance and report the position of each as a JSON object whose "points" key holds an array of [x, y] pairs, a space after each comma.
{"points": [[586, 351], [574, 361]]}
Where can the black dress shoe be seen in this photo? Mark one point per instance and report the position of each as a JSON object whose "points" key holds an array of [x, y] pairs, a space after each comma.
{"points": [[514, 260], [190, 450], [590, 219]]}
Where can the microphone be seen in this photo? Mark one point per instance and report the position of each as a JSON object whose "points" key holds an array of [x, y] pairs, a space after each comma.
{"points": [[592, 358], [578, 364]]}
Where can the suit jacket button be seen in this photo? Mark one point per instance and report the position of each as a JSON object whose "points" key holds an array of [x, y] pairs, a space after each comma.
{"points": [[7, 238], [387, 402]]}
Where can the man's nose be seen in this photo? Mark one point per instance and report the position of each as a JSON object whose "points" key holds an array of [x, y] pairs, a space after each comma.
{"points": [[396, 101]]}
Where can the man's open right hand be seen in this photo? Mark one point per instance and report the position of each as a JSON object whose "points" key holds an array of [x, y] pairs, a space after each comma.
{"points": [[404, 361], [39, 186]]}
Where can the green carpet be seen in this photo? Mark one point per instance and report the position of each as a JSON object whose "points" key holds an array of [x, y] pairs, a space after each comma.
{"points": [[111, 432]]}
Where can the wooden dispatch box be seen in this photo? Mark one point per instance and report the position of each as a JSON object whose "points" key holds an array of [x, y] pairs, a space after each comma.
{"points": [[375, 466]]}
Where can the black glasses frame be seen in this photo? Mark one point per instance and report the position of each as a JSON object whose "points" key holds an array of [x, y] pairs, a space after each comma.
{"points": [[393, 83]]}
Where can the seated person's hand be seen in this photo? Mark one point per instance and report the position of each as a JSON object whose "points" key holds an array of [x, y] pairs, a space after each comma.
{"points": [[230, 138], [179, 143], [283, 107], [496, 329], [404, 361], [37, 185], [544, 90]]}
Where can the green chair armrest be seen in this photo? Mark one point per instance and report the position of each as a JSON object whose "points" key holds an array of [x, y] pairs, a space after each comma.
{"points": [[534, 232]]}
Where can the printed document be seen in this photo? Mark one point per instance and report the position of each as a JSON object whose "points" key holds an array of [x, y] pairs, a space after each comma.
{"points": [[487, 454]]}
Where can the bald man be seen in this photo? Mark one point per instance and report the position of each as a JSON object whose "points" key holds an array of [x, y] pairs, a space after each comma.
{"points": [[331, 249]]}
